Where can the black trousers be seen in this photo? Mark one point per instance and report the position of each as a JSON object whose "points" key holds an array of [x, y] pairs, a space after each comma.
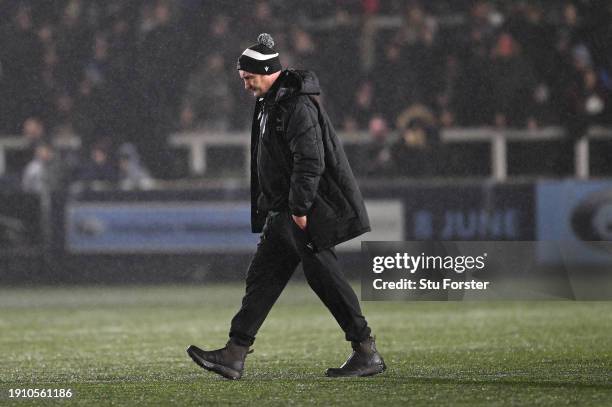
{"points": [[282, 246]]}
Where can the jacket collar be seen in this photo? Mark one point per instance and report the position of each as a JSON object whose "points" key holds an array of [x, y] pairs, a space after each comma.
{"points": [[292, 83]]}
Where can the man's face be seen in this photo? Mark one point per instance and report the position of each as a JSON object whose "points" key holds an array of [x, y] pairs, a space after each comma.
{"points": [[255, 83], [44, 153]]}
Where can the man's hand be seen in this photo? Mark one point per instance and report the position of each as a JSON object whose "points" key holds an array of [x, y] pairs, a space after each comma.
{"points": [[300, 221]]}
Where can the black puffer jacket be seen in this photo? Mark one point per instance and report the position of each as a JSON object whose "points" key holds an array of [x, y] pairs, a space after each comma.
{"points": [[298, 162]]}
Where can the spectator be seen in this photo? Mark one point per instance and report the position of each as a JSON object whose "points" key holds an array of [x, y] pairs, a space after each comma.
{"points": [[21, 56], [44, 173], [65, 119], [424, 63], [338, 49], [50, 75], [416, 22], [533, 33], [207, 102], [414, 154], [220, 38], [359, 114], [392, 77], [73, 44], [587, 102], [99, 167], [157, 93], [89, 112], [484, 20], [568, 29], [259, 18], [378, 151], [33, 130], [132, 70], [132, 174], [303, 49], [513, 83], [97, 68], [474, 82]]}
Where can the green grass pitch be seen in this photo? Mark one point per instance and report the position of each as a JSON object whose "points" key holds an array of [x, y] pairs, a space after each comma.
{"points": [[126, 346]]}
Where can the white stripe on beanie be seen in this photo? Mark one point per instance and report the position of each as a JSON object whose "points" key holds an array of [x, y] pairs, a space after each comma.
{"points": [[258, 55]]}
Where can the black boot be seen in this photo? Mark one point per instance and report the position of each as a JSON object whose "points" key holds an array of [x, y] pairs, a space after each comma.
{"points": [[227, 361], [364, 361]]}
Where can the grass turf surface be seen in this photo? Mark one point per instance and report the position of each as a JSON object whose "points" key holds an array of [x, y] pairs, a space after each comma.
{"points": [[126, 346]]}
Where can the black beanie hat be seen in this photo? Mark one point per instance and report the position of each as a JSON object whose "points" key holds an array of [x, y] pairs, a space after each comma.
{"points": [[260, 58]]}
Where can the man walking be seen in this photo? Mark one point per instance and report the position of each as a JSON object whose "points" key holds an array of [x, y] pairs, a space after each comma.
{"points": [[304, 201]]}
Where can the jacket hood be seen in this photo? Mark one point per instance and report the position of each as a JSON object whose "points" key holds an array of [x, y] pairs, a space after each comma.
{"points": [[296, 82]]}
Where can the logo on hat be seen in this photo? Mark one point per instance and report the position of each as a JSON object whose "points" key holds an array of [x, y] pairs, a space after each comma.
{"points": [[266, 68]]}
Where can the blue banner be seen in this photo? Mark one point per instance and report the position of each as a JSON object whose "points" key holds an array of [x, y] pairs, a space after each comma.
{"points": [[158, 227], [578, 214]]}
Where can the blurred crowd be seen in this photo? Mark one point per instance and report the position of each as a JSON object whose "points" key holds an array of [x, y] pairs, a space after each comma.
{"points": [[117, 73]]}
